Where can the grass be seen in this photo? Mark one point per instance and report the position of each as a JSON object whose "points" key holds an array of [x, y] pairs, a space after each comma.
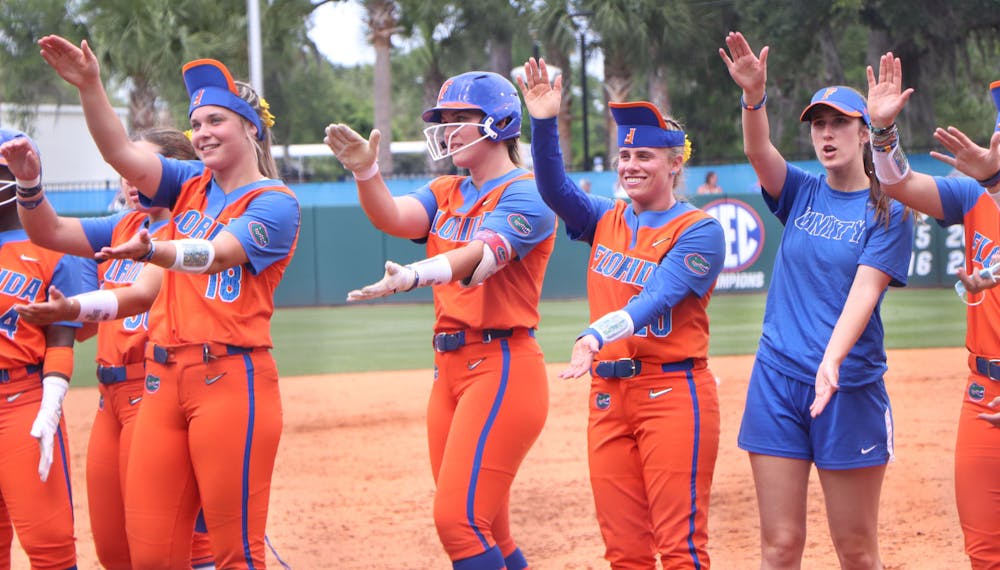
{"points": [[320, 340]]}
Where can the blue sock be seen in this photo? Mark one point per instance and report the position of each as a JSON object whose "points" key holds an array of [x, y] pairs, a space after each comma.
{"points": [[516, 560], [489, 560]]}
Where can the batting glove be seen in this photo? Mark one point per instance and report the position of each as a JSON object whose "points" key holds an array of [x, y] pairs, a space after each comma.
{"points": [[397, 278], [46, 423]]}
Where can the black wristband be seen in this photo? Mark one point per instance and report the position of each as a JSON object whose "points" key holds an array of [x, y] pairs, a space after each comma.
{"points": [[30, 204], [991, 181], [29, 192]]}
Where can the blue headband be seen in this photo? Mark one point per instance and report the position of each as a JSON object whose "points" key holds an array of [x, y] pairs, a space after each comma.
{"points": [[641, 125], [208, 82]]}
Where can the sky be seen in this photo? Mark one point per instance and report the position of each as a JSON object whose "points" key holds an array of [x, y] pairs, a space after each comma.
{"points": [[338, 32]]}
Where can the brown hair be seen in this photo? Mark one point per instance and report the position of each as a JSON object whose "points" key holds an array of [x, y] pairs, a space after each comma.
{"points": [[879, 199], [675, 125], [265, 161], [172, 142]]}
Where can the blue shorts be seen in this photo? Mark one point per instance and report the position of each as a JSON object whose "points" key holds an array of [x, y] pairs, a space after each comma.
{"points": [[855, 429]]}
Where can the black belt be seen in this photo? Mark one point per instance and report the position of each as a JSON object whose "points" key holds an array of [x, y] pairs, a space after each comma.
{"points": [[209, 351], [989, 368], [8, 374], [630, 368], [447, 342], [117, 374]]}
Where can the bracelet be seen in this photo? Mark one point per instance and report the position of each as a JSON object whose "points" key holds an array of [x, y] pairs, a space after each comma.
{"points": [[991, 181], [28, 191], [149, 254], [881, 131], [36, 181], [756, 107], [30, 204], [367, 173]]}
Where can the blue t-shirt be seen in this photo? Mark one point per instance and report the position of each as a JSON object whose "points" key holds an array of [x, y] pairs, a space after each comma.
{"points": [[827, 235]]}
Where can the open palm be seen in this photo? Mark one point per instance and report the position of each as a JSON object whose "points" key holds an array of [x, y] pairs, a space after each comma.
{"points": [[542, 98], [77, 65]]}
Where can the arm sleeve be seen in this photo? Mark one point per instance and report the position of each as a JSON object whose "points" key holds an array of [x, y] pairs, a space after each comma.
{"points": [[267, 229], [690, 267], [175, 174], [579, 210], [888, 249], [521, 217], [99, 230]]}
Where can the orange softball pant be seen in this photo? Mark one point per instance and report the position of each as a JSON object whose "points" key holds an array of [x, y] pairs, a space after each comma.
{"points": [[653, 440], [487, 406], [206, 435], [107, 458], [977, 474], [41, 513]]}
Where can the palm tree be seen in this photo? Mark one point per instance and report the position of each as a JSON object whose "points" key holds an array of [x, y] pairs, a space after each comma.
{"points": [[383, 21]]}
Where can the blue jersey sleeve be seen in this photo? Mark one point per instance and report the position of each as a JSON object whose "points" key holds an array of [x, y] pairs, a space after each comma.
{"points": [[958, 196], [68, 278], [267, 229], [690, 267], [172, 178], [579, 210], [89, 278], [99, 230], [521, 217], [795, 178], [888, 249], [426, 197]]}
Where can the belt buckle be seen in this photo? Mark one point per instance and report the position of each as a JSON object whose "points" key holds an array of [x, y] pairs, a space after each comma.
{"points": [[627, 368], [161, 354], [447, 342], [206, 353], [487, 336], [991, 365]]}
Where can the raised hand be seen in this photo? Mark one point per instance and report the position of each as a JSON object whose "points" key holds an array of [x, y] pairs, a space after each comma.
{"points": [[397, 278], [22, 160], [136, 247], [541, 97], [886, 97], [77, 65], [747, 69], [582, 357], [969, 158], [57, 309], [350, 148]]}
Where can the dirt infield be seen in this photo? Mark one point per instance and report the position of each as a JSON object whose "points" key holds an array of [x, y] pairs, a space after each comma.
{"points": [[352, 488]]}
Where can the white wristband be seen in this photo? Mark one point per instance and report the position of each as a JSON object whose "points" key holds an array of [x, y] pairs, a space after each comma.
{"points": [[432, 271], [96, 306], [193, 255], [891, 167], [367, 173], [613, 326], [29, 183]]}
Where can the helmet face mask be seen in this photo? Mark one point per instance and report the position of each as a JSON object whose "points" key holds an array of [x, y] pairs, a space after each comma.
{"points": [[483, 91]]}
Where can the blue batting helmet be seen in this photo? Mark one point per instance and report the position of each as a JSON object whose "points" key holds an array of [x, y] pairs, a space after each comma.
{"points": [[485, 91]]}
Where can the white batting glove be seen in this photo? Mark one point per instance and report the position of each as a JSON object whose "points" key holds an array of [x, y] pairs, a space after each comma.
{"points": [[46, 423], [397, 278]]}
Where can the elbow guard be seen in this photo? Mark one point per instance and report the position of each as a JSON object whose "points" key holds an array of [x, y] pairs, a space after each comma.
{"points": [[496, 255]]}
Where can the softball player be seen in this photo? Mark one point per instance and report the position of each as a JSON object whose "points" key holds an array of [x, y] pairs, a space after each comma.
{"points": [[212, 404], [971, 202], [653, 432], [120, 344], [489, 238], [36, 364], [843, 244]]}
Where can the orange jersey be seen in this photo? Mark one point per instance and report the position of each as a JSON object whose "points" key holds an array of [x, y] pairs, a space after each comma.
{"points": [[233, 306], [982, 241], [510, 297], [26, 272], [627, 257]]}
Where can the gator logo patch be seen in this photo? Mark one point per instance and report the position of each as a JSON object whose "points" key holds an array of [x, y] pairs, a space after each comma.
{"points": [[602, 401], [152, 383], [977, 392], [697, 263], [259, 233], [519, 223]]}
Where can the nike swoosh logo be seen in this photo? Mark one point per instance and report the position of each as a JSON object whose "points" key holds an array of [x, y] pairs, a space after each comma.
{"points": [[213, 379], [134, 401], [659, 241], [26, 258], [473, 364], [657, 393], [866, 451], [13, 397]]}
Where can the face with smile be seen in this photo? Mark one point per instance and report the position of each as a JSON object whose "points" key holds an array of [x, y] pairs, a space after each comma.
{"points": [[837, 138], [645, 173], [461, 140], [220, 136]]}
